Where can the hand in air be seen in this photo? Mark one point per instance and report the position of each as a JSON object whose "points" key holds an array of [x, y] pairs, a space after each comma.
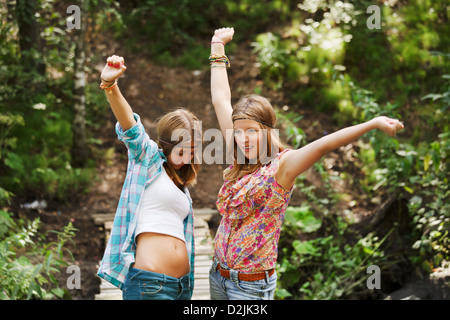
{"points": [[224, 35], [113, 69], [390, 126]]}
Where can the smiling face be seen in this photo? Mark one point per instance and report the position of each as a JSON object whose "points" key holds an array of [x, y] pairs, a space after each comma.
{"points": [[248, 135], [255, 137]]}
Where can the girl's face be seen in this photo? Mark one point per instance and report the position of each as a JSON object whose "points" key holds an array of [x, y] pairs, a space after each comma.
{"points": [[181, 154], [248, 134]]}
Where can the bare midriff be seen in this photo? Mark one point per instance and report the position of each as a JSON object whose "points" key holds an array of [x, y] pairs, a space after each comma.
{"points": [[162, 254]]}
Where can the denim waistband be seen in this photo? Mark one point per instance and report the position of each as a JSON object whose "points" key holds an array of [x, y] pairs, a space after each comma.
{"points": [[133, 273]]}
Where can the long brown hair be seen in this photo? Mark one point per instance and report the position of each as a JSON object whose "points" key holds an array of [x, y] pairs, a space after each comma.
{"points": [[189, 126], [259, 109]]}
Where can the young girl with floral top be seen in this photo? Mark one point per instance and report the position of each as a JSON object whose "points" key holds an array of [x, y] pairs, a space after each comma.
{"points": [[257, 190]]}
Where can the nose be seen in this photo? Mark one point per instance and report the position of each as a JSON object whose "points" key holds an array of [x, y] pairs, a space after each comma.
{"points": [[242, 138]]}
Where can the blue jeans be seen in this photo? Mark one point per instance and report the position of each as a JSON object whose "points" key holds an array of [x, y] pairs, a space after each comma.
{"points": [[222, 288], [146, 285]]}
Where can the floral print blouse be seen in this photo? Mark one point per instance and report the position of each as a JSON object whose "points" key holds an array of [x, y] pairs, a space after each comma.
{"points": [[252, 210]]}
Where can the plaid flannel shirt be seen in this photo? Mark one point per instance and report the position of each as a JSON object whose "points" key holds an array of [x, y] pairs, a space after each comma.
{"points": [[145, 162]]}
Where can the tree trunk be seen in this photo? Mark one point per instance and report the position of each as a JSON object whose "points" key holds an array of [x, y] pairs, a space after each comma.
{"points": [[79, 147], [29, 36]]}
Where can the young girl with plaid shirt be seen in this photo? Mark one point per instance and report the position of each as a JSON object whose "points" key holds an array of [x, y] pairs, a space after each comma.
{"points": [[150, 252]]}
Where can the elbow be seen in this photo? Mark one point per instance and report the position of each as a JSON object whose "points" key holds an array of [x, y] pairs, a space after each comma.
{"points": [[218, 102], [215, 101]]}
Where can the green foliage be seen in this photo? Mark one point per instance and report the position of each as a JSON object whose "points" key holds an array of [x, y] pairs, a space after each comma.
{"points": [[253, 15], [397, 62], [419, 169], [330, 260], [295, 136], [320, 256], [29, 267], [305, 56], [36, 113], [302, 218], [330, 266], [7, 122], [167, 30]]}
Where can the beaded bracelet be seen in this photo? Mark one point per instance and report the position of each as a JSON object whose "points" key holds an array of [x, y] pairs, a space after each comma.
{"points": [[218, 42], [108, 89], [219, 58]]}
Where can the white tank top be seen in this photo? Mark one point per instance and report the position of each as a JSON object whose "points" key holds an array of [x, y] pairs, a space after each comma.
{"points": [[163, 208]]}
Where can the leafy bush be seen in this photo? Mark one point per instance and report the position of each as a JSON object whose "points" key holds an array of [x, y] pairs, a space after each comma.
{"points": [[328, 267], [29, 267], [419, 169]]}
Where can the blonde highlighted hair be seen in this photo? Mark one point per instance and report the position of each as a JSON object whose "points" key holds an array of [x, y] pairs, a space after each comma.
{"points": [[256, 108], [182, 126]]}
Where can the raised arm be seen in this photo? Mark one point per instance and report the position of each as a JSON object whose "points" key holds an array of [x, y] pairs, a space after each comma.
{"points": [[220, 88], [113, 69], [295, 162]]}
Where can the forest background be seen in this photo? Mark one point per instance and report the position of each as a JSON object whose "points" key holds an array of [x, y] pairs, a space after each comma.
{"points": [[324, 64]]}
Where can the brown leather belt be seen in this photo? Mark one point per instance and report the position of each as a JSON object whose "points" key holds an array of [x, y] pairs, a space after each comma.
{"points": [[245, 276]]}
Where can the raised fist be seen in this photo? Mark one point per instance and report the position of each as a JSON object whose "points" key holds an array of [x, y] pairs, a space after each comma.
{"points": [[113, 69], [224, 35]]}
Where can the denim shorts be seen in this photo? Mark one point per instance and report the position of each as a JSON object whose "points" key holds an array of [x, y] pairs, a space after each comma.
{"points": [[147, 285], [222, 288]]}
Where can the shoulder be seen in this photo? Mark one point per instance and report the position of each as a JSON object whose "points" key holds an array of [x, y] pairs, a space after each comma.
{"points": [[279, 158], [282, 173], [138, 142]]}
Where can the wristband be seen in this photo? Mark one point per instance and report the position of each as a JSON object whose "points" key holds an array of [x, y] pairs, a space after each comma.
{"points": [[108, 89]]}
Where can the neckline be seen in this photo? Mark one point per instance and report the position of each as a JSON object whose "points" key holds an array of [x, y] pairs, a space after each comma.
{"points": [[165, 172]]}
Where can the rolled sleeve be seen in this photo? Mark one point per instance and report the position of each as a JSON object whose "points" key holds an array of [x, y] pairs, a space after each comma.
{"points": [[137, 141]]}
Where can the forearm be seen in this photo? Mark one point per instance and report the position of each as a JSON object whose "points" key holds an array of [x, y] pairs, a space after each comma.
{"points": [[220, 88], [298, 161], [120, 107], [344, 136]]}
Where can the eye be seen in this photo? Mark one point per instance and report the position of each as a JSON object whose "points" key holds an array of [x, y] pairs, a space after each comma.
{"points": [[251, 130], [180, 153], [238, 132]]}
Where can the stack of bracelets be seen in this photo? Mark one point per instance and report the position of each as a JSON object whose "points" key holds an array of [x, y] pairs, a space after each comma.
{"points": [[108, 89], [219, 58]]}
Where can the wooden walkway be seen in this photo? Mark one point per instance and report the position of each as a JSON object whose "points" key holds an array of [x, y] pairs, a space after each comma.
{"points": [[203, 255]]}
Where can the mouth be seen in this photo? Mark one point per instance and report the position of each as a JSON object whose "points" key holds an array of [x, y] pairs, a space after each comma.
{"points": [[246, 149]]}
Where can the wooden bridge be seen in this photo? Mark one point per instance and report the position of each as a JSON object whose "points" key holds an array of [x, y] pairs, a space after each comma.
{"points": [[203, 255]]}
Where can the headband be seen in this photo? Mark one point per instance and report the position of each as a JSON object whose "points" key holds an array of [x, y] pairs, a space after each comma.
{"points": [[269, 125], [167, 142]]}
